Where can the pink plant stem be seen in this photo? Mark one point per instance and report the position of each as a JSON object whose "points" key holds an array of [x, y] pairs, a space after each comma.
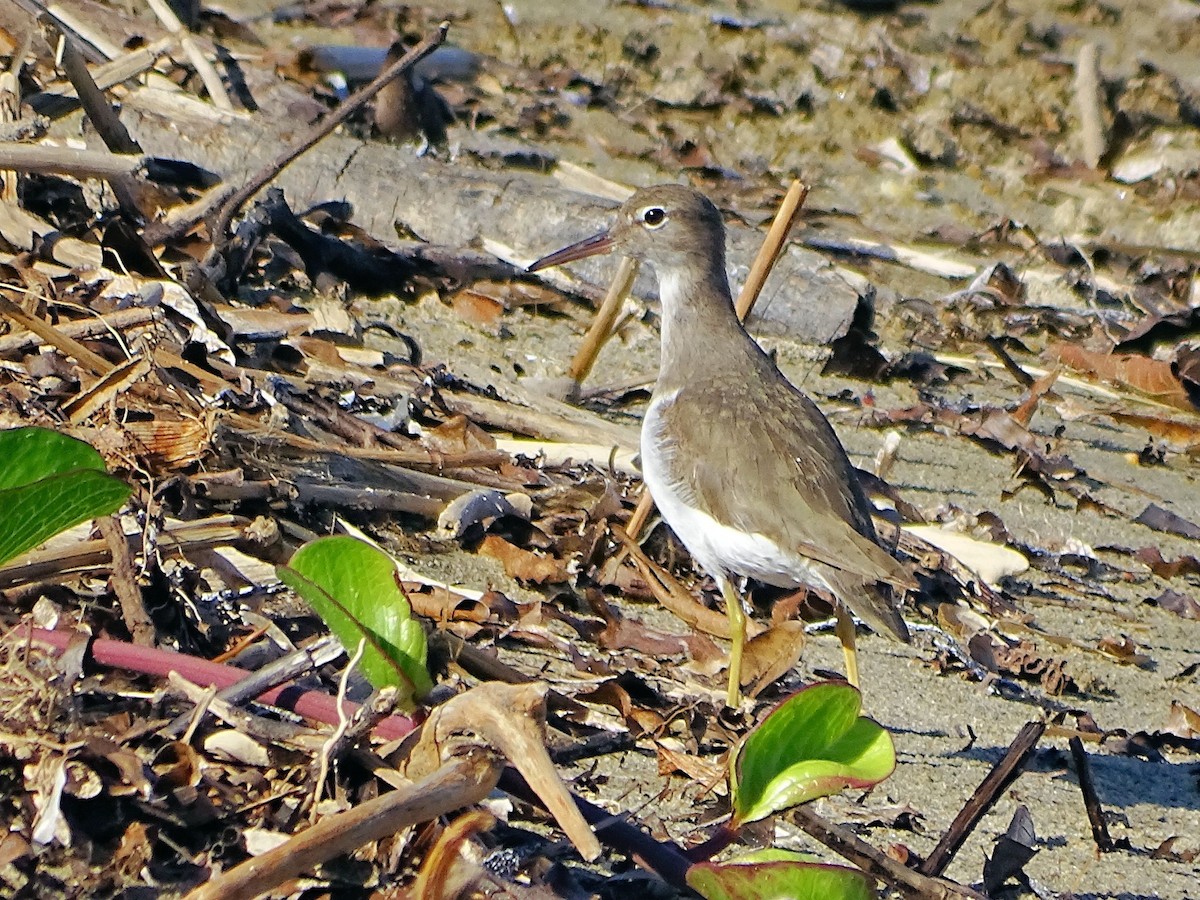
{"points": [[721, 838], [152, 661]]}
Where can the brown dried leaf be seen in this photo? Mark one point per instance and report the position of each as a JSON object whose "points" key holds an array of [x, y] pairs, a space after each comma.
{"points": [[1182, 721], [458, 435], [1166, 850], [476, 308], [960, 621], [1159, 519], [1152, 558], [621, 633], [1124, 650], [134, 851], [1025, 661], [441, 604], [177, 765], [1146, 376], [1180, 435], [168, 443], [12, 848], [772, 654], [1183, 605], [699, 770], [523, 565]]}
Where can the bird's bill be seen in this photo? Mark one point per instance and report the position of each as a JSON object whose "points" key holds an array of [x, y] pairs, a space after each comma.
{"points": [[596, 244]]}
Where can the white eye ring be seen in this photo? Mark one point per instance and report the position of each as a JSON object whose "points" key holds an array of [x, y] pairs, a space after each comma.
{"points": [[653, 217]]}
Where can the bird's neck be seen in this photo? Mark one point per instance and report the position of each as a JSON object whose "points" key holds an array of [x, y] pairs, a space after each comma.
{"points": [[700, 328]]}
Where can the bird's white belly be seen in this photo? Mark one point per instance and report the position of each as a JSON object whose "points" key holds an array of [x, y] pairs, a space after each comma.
{"points": [[720, 550]]}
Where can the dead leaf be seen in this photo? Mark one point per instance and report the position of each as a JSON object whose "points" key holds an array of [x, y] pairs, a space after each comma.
{"points": [[458, 435], [1180, 435], [699, 770], [1151, 377], [476, 308], [177, 765], [1024, 660], [1159, 519], [1152, 558], [1166, 850], [1125, 651], [1182, 721], [960, 621], [523, 565], [1183, 605], [134, 851], [772, 654]]}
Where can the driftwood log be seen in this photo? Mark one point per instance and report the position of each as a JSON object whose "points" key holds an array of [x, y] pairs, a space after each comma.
{"points": [[455, 202]]}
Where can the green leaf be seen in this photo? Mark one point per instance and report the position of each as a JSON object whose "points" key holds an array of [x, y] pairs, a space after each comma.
{"points": [[779, 881], [31, 454], [354, 589], [48, 483], [813, 744]]}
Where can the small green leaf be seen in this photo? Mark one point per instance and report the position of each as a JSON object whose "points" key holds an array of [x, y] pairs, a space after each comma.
{"points": [[48, 483], [778, 881], [354, 589], [31, 454], [813, 744]]}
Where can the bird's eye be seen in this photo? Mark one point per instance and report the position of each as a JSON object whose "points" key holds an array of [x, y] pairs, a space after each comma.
{"points": [[654, 216]]}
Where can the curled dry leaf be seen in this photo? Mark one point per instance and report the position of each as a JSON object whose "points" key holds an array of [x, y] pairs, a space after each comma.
{"points": [[523, 565], [1025, 661], [458, 435], [960, 621], [1151, 377], [1124, 650], [772, 654], [1180, 435], [1152, 558], [177, 765], [672, 759], [1182, 721]]}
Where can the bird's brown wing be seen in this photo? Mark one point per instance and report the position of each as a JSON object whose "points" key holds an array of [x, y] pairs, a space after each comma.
{"points": [[781, 472]]}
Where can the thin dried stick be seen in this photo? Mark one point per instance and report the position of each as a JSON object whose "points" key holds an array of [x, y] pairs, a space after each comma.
{"points": [[602, 325], [205, 69], [1091, 801], [93, 362], [772, 246], [1087, 97], [461, 782], [69, 161], [984, 797], [230, 207], [125, 583], [848, 845], [286, 668], [767, 256]]}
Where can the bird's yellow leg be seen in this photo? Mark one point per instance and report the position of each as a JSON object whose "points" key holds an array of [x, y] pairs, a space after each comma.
{"points": [[737, 635], [845, 633]]}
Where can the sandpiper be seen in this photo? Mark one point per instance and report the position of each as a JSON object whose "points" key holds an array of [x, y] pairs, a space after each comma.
{"points": [[742, 465]]}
